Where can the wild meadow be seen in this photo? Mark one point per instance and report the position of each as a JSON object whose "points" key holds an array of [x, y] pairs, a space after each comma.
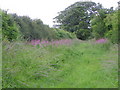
{"points": [[79, 51], [67, 64]]}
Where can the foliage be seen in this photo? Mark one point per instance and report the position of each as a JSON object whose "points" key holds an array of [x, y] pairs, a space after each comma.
{"points": [[77, 17], [33, 29], [98, 24], [0, 25], [105, 25], [111, 22], [83, 34], [14, 26], [10, 30], [62, 34], [0, 49], [86, 19]]}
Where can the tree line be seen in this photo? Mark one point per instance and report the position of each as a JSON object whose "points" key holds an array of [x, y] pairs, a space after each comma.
{"points": [[84, 20], [16, 27], [89, 20]]}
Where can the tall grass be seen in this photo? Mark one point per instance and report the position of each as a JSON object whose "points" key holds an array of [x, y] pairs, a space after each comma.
{"points": [[77, 65], [0, 56]]}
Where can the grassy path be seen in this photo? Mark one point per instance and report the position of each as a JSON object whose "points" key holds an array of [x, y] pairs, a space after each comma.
{"points": [[92, 67], [80, 65]]}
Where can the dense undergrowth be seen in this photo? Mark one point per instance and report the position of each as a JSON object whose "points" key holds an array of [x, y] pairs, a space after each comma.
{"points": [[81, 64]]}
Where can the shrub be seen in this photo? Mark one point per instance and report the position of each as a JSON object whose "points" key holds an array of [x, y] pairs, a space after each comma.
{"points": [[112, 27], [83, 34], [61, 34], [10, 30]]}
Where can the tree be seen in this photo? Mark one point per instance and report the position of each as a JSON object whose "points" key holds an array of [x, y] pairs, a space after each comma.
{"points": [[77, 16], [33, 29], [98, 24], [10, 30], [112, 23]]}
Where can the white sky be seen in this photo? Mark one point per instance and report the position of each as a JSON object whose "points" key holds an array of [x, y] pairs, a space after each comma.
{"points": [[45, 10]]}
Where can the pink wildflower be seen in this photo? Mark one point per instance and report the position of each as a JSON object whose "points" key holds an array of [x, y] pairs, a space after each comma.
{"points": [[101, 40]]}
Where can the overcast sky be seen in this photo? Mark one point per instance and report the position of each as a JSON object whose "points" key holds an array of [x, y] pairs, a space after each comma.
{"points": [[45, 10]]}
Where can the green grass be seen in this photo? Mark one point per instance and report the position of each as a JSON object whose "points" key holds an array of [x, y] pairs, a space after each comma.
{"points": [[0, 58], [80, 65]]}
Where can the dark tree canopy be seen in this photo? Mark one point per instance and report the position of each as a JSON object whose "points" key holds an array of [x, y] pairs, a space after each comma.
{"points": [[77, 17]]}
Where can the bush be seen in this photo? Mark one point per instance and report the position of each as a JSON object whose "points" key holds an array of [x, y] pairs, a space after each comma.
{"points": [[112, 35], [112, 27], [10, 30], [83, 34], [14, 26], [61, 34]]}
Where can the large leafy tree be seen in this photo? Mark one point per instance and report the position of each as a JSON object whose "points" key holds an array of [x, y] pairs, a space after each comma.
{"points": [[77, 17]]}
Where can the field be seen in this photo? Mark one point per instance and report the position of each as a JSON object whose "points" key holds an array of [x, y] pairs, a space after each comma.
{"points": [[78, 64]]}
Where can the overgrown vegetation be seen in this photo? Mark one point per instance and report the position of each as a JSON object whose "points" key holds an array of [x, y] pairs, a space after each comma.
{"points": [[22, 27], [111, 22], [106, 26], [81, 53], [89, 20], [9, 28], [77, 65], [0, 50], [62, 34], [86, 20]]}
